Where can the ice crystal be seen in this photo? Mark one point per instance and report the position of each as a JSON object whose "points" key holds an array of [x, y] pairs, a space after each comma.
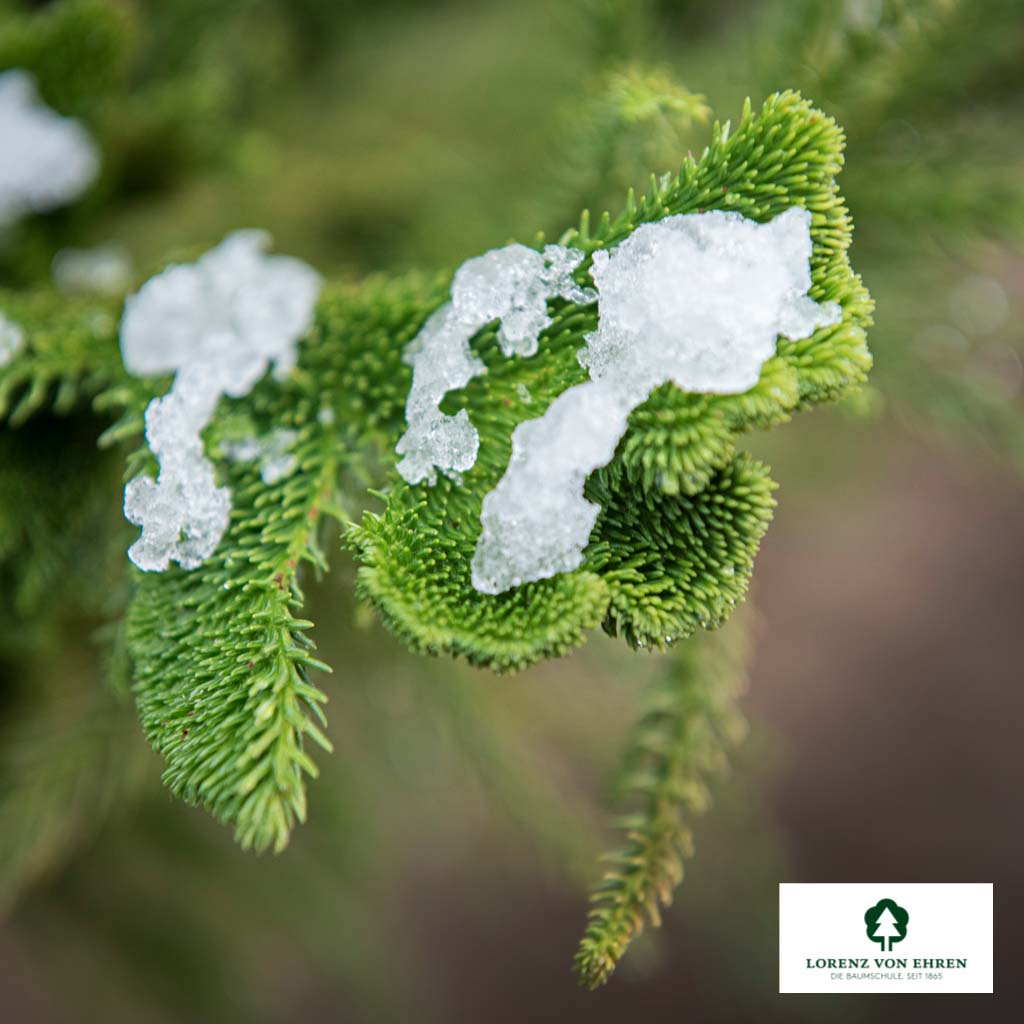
{"points": [[511, 285], [217, 324], [12, 339], [696, 299], [45, 160]]}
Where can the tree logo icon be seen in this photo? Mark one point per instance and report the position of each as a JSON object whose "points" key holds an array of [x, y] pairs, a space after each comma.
{"points": [[886, 922]]}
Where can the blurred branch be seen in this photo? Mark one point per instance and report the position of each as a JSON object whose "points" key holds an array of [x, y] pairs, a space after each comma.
{"points": [[677, 745], [66, 762]]}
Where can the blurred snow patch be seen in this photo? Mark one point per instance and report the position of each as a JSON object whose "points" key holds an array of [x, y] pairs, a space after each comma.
{"points": [[46, 160], [12, 340]]}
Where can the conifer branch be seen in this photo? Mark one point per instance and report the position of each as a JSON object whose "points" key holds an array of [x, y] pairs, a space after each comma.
{"points": [[416, 554], [676, 748], [53, 554], [220, 657], [66, 761], [70, 354], [221, 661]]}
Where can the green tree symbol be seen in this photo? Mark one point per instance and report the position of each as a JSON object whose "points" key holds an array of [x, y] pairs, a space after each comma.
{"points": [[886, 921]]}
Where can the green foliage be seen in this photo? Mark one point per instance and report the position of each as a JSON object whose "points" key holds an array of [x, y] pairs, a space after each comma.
{"points": [[428, 137], [635, 122], [416, 554], [221, 661], [220, 658], [155, 84], [66, 761], [927, 91], [56, 496], [79, 51], [70, 356], [677, 746], [677, 563]]}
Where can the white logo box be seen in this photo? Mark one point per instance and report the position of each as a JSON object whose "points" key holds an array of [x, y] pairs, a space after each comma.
{"points": [[824, 945]]}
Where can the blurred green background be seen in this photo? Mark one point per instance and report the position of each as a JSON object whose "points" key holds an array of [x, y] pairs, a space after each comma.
{"points": [[442, 876]]}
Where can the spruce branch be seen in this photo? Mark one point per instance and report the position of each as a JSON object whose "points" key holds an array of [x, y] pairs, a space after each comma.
{"points": [[634, 120], [928, 90], [53, 554], [416, 554], [221, 660], [70, 354], [677, 563], [677, 746]]}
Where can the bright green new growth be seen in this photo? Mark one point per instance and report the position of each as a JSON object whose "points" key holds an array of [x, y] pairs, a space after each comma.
{"points": [[220, 657], [417, 553]]}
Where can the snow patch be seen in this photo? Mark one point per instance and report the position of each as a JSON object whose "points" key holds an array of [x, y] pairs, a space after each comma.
{"points": [[511, 285], [12, 340], [696, 299], [46, 160], [217, 324], [273, 453]]}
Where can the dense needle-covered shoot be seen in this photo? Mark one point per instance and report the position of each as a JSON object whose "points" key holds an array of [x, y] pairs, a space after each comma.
{"points": [[689, 721]]}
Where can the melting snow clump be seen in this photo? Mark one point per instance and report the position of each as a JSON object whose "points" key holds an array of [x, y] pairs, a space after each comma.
{"points": [[217, 324], [273, 453], [47, 160], [512, 285], [12, 339], [696, 299]]}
